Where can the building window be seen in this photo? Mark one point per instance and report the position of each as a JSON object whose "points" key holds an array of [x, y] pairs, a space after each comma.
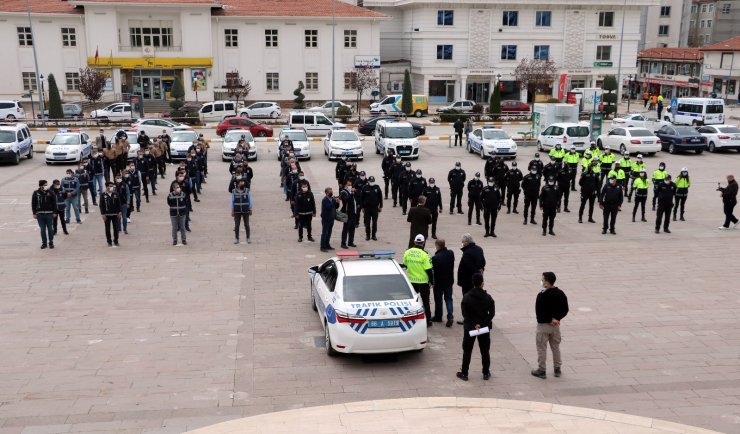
{"points": [[606, 19], [312, 81], [702, 23], [541, 52], [603, 52], [542, 18], [709, 24], [665, 11], [663, 30], [726, 8], [725, 60], [231, 37], [312, 38], [73, 81], [271, 38], [350, 81], [693, 9], [159, 35], [704, 9], [24, 37], [510, 19], [508, 52], [445, 18], [692, 23], [711, 7], [350, 39], [69, 37], [444, 52], [29, 81], [273, 81]]}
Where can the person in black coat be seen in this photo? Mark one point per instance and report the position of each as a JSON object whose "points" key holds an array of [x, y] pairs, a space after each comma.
{"points": [[531, 188], [420, 218], [550, 308], [417, 184], [513, 182], [387, 166], [397, 171], [666, 192], [459, 126], [475, 187], [549, 200], [537, 165], [340, 170], [110, 211], [729, 201], [305, 208], [564, 177], [610, 200], [352, 209], [589, 184], [329, 205], [491, 201], [472, 261], [372, 204], [478, 310], [44, 209], [456, 179], [443, 265], [403, 186], [434, 203]]}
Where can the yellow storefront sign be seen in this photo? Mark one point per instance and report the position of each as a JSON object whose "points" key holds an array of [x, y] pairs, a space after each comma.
{"points": [[150, 62]]}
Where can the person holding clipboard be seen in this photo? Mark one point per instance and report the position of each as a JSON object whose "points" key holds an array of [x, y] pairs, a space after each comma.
{"points": [[478, 310]]}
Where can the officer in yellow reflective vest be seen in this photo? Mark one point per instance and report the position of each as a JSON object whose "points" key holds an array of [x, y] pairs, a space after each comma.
{"points": [[571, 159], [606, 160], [619, 174], [626, 164], [640, 186], [557, 153], [637, 167], [658, 177], [682, 191], [595, 152], [419, 271], [586, 161]]}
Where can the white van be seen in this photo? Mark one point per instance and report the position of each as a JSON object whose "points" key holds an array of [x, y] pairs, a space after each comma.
{"points": [[399, 136], [15, 142], [697, 111], [315, 123], [11, 110], [216, 111]]}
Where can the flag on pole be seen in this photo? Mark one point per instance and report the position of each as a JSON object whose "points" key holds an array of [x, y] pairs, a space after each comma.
{"points": [[110, 59], [96, 55]]}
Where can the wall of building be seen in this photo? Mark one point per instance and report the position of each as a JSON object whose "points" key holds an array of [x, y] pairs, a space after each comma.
{"points": [[674, 22]]}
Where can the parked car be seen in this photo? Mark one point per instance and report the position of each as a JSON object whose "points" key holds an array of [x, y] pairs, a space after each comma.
{"points": [[490, 141], [217, 111], [131, 137], [721, 137], [343, 143], [71, 111], [113, 112], [315, 124], [261, 109], [326, 107], [181, 142], [680, 138], [630, 120], [68, 146], [154, 127], [566, 134], [11, 110], [299, 138], [512, 106], [242, 123], [398, 136], [231, 139], [392, 104], [15, 142], [633, 140], [367, 127], [463, 105]]}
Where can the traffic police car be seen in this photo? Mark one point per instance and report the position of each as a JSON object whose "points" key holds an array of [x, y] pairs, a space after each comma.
{"points": [[367, 305], [68, 146]]}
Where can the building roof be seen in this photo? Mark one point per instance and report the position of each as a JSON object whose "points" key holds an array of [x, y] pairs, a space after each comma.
{"points": [[294, 8], [40, 7], [215, 3], [671, 54], [732, 44]]}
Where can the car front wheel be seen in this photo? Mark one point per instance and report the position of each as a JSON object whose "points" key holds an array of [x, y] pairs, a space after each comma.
{"points": [[539, 146], [17, 159], [622, 149], [10, 118]]}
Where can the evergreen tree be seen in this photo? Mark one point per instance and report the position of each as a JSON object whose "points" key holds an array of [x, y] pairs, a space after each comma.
{"points": [[609, 97], [55, 101], [407, 103], [299, 97], [178, 92], [495, 102]]}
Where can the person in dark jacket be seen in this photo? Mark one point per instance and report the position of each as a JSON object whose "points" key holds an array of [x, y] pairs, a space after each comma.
{"points": [[531, 188], [491, 201], [241, 209], [56, 188], [564, 176], [387, 166], [96, 167], [443, 265], [537, 165], [329, 205], [550, 307], [397, 171], [177, 201], [472, 261], [340, 171], [478, 310], [305, 208], [549, 199], [143, 140], [83, 176], [124, 196], [110, 211], [499, 175], [44, 209], [729, 201], [459, 126], [551, 169], [434, 203], [589, 184], [420, 218], [456, 179], [417, 184], [475, 187], [513, 182], [372, 204], [352, 209], [610, 200], [182, 180], [490, 165], [666, 192], [403, 186]]}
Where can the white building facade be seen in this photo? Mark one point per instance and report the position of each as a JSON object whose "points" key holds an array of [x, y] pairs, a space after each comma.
{"points": [[666, 25]]}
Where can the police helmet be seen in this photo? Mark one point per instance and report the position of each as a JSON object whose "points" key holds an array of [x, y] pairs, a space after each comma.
{"points": [[362, 173], [639, 156], [418, 171], [477, 174], [431, 180], [588, 153], [536, 154], [513, 164], [550, 179], [685, 169]]}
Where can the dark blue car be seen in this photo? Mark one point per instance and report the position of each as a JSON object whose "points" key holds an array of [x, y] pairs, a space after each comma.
{"points": [[679, 138]]}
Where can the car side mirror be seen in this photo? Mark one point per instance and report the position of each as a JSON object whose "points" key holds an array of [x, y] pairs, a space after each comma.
{"points": [[313, 270], [403, 266]]}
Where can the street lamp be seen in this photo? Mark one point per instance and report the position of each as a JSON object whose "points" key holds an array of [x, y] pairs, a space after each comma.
{"points": [[41, 96], [629, 91]]}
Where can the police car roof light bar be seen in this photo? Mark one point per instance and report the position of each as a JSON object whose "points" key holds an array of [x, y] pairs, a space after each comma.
{"points": [[355, 254]]}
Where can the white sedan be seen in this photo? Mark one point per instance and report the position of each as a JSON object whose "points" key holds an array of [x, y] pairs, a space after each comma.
{"points": [[367, 305], [630, 120], [491, 142], [721, 137], [231, 140], [326, 107], [181, 142], [301, 148], [134, 146], [68, 146], [343, 143], [261, 109], [630, 139], [154, 127]]}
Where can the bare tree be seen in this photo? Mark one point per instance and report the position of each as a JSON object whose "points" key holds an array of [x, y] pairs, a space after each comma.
{"points": [[92, 83], [237, 87], [535, 75], [363, 79]]}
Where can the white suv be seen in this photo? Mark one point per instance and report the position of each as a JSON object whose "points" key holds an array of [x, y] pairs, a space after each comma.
{"points": [[11, 110], [565, 134], [261, 109], [113, 112], [15, 142], [398, 136]]}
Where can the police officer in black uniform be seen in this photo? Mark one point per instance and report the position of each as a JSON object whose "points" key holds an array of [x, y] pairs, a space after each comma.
{"points": [[433, 203], [403, 186], [417, 184], [666, 191], [491, 201], [397, 172], [589, 184], [537, 165], [340, 170], [110, 210], [563, 178], [456, 179], [475, 187], [372, 204], [531, 188], [352, 209], [513, 182], [551, 169], [499, 176], [387, 166], [610, 200], [489, 166], [549, 198], [305, 208]]}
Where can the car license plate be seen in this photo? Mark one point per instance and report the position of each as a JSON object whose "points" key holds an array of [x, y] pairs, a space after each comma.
{"points": [[650, 142], [296, 153], [60, 157], [695, 140], [404, 152], [736, 137], [381, 323], [348, 153]]}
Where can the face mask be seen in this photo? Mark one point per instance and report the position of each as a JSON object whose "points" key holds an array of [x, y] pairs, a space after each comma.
{"points": [[110, 189], [146, 153], [533, 172], [238, 176], [189, 160], [418, 176], [132, 169], [348, 188], [118, 180], [661, 167], [176, 191], [550, 182], [398, 160], [304, 189], [371, 184], [537, 158], [643, 175], [140, 157], [613, 182], [477, 177], [180, 178], [431, 184], [56, 186], [408, 169], [125, 176], [362, 177], [490, 184], [301, 177], [457, 167], [684, 173], [46, 188]]}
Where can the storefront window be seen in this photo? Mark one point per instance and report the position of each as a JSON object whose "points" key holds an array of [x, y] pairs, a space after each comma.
{"points": [[670, 69], [441, 90]]}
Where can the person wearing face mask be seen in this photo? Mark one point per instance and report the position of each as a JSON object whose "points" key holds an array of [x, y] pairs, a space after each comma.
{"points": [[475, 187], [235, 179], [563, 179], [499, 175], [192, 169], [166, 139], [100, 141], [143, 140], [44, 209], [594, 149], [551, 169], [177, 201], [83, 177], [589, 184], [329, 205], [241, 209], [606, 160], [143, 168], [550, 307], [352, 209], [513, 182], [56, 189], [420, 218], [549, 201], [183, 183], [531, 188], [248, 173], [434, 203], [299, 182], [637, 166], [403, 186], [305, 207], [666, 192], [443, 267], [557, 153], [351, 175], [195, 171], [387, 166], [151, 170], [610, 201], [586, 161], [110, 211], [372, 204], [124, 196], [71, 188], [236, 161], [619, 174], [682, 191], [640, 186], [419, 271], [491, 202], [398, 171], [478, 310], [456, 179], [134, 182], [417, 184], [97, 170], [537, 165], [625, 163], [658, 177], [571, 159], [340, 170], [359, 183], [489, 166]]}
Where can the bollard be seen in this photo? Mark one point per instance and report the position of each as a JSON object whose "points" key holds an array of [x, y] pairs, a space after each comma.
{"points": [[449, 141]]}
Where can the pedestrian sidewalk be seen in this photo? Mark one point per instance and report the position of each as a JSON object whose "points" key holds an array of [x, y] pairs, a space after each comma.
{"points": [[432, 415]]}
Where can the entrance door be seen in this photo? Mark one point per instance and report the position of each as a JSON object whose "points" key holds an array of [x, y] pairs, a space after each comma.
{"points": [[478, 92], [450, 91], [146, 87], [151, 88]]}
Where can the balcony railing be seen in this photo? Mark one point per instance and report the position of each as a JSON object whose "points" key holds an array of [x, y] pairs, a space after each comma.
{"points": [[130, 48]]}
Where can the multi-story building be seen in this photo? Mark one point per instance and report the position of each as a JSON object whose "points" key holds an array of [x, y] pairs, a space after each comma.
{"points": [[461, 49], [663, 25], [712, 21], [145, 44], [671, 72], [722, 68]]}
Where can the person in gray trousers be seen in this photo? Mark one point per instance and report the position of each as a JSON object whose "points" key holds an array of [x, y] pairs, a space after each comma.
{"points": [[178, 211]]}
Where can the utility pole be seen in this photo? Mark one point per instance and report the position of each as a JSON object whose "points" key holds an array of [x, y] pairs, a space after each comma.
{"points": [[333, 55], [36, 63], [619, 64]]}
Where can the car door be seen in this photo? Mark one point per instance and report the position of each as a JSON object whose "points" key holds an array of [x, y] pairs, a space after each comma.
{"points": [[615, 138], [27, 141], [86, 144], [327, 143], [325, 283], [323, 124], [476, 140], [550, 135]]}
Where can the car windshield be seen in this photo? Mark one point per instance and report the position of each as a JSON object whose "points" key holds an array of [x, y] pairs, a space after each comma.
{"points": [[344, 136], [577, 131], [184, 136], [399, 132], [294, 136], [495, 134], [66, 139], [376, 288], [640, 133], [7, 137], [235, 136], [623, 116], [686, 131], [729, 130]]}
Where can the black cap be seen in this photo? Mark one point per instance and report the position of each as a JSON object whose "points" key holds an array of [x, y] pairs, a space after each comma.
{"points": [[457, 163], [371, 179], [431, 180], [477, 174], [490, 179], [407, 164], [551, 178], [513, 164], [536, 154], [418, 171], [362, 173], [612, 177]]}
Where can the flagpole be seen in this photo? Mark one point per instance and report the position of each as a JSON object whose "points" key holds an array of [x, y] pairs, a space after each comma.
{"points": [[112, 80]]}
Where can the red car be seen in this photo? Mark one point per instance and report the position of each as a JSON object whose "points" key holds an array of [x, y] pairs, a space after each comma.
{"points": [[514, 107], [242, 123]]}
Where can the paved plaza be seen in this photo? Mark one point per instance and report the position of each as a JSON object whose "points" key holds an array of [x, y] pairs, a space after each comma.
{"points": [[154, 338]]}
